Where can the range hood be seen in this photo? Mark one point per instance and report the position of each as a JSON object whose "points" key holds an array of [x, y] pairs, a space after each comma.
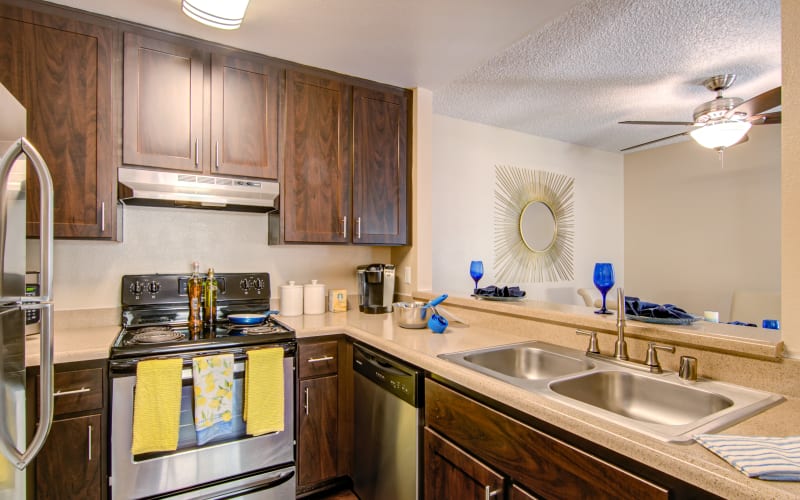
{"points": [[138, 186]]}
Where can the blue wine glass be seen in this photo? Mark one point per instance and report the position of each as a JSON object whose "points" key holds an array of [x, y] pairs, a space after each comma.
{"points": [[476, 271], [604, 281]]}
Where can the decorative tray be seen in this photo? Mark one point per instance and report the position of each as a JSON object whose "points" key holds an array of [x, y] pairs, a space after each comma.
{"points": [[664, 321], [499, 299]]}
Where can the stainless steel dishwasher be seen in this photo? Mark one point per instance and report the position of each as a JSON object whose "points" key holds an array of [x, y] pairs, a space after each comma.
{"points": [[388, 419]]}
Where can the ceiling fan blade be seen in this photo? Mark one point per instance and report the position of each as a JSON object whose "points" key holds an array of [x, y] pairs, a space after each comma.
{"points": [[654, 141], [758, 104], [766, 118], [688, 124]]}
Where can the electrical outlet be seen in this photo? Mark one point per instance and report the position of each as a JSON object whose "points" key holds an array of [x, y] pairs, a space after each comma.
{"points": [[407, 275]]}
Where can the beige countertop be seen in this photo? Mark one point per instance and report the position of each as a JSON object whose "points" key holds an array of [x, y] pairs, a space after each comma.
{"points": [[691, 463]]}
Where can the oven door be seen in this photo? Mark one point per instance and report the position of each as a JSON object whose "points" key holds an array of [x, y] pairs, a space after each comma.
{"points": [[192, 467]]}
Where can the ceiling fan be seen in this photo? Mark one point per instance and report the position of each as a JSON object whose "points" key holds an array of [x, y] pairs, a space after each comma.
{"points": [[723, 122]]}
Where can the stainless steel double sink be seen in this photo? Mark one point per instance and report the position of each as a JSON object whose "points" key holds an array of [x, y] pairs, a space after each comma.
{"points": [[659, 405]]}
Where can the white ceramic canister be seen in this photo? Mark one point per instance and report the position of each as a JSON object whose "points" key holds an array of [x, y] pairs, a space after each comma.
{"points": [[313, 298], [291, 299]]}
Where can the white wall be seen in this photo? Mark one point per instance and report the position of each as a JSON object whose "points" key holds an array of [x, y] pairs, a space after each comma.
{"points": [[463, 183], [696, 231], [167, 240]]}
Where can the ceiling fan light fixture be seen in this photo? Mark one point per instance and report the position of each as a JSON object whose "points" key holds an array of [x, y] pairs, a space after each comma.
{"points": [[721, 134], [222, 14]]}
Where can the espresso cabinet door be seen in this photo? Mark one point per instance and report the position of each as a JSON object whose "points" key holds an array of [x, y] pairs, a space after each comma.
{"points": [[317, 431], [244, 116], [69, 464], [451, 473], [60, 71], [315, 193], [380, 186], [162, 104]]}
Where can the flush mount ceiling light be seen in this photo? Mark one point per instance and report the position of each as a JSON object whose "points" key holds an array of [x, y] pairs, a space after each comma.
{"points": [[721, 134], [222, 14]]}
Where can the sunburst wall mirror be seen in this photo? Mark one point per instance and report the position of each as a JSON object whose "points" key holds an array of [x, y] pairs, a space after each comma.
{"points": [[534, 225]]}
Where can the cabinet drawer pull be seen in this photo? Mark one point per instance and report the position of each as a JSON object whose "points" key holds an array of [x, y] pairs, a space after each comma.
{"points": [[216, 154], [358, 228], [196, 152], [490, 494], [74, 391], [344, 227], [319, 360], [102, 216], [305, 404], [90, 443]]}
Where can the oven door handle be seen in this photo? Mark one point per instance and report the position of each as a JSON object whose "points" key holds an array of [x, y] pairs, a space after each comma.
{"points": [[239, 491]]}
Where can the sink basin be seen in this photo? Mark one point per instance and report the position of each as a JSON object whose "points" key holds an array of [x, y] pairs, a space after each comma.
{"points": [[527, 362], [642, 398], [522, 364], [659, 405]]}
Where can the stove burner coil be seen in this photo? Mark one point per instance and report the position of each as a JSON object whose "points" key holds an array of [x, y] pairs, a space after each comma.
{"points": [[262, 329], [155, 335]]}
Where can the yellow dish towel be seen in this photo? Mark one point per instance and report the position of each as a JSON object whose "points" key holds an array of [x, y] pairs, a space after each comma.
{"points": [[157, 405], [213, 396], [263, 386]]}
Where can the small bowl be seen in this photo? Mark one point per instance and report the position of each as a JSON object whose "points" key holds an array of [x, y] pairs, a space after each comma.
{"points": [[412, 314]]}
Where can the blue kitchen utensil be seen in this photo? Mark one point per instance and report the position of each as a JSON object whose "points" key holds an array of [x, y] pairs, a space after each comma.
{"points": [[249, 319], [437, 323], [435, 302]]}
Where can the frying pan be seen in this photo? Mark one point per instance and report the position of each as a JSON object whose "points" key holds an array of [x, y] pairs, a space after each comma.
{"points": [[249, 319]]}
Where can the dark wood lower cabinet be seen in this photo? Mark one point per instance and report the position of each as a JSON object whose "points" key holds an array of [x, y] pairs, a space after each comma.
{"points": [[527, 456], [68, 466], [72, 463], [317, 432], [451, 473]]}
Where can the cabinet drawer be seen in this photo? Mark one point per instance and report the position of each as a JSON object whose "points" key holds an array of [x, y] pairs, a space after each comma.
{"points": [[533, 459], [78, 390], [318, 358]]}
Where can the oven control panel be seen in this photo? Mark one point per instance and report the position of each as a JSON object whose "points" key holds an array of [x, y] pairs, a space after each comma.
{"points": [[164, 289]]}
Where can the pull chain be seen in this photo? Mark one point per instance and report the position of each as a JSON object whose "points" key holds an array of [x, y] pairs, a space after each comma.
{"points": [[721, 157]]}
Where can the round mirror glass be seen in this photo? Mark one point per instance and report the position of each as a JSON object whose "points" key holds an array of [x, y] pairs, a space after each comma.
{"points": [[537, 226]]}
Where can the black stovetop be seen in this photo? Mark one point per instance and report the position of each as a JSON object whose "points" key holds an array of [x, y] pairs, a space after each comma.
{"points": [[160, 301]]}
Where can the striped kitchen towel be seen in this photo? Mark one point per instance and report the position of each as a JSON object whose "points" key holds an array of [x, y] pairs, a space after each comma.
{"points": [[770, 458]]}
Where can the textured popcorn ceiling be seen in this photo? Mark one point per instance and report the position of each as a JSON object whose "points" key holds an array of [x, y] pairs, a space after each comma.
{"points": [[607, 61]]}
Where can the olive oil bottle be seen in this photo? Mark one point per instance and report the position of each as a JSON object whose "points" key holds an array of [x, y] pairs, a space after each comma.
{"points": [[194, 289], [210, 289]]}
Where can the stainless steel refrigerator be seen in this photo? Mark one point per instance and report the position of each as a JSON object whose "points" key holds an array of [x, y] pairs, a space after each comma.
{"points": [[15, 454]]}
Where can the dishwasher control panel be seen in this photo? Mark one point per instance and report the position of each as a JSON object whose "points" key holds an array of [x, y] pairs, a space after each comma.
{"points": [[398, 378]]}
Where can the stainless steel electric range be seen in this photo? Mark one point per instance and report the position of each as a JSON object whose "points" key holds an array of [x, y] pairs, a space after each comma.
{"points": [[154, 325]]}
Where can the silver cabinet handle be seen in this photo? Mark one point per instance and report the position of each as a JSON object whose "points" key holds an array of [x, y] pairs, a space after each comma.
{"points": [[490, 493], [319, 360], [216, 154], [74, 391], [358, 228], [103, 216], [196, 152], [90, 442], [344, 227], [305, 404]]}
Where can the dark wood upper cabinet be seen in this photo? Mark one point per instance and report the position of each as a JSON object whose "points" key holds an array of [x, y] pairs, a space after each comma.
{"points": [[162, 104], [315, 192], [345, 167], [60, 69], [244, 116], [379, 167]]}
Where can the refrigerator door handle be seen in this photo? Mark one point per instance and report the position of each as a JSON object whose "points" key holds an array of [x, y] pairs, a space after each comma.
{"points": [[19, 147]]}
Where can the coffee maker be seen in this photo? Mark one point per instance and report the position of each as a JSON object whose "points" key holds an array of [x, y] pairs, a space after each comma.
{"points": [[375, 288]]}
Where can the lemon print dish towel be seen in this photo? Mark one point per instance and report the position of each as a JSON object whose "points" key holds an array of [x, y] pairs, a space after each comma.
{"points": [[213, 396]]}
